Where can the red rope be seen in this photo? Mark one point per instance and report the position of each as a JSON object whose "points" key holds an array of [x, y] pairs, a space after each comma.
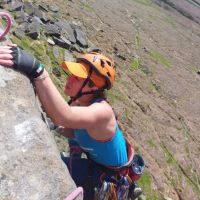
{"points": [[6, 15], [78, 191]]}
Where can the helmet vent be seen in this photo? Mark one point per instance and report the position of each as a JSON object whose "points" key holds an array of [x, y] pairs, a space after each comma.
{"points": [[108, 73], [102, 63], [109, 63]]}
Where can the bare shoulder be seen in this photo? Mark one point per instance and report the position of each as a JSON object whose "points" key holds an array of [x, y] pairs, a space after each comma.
{"points": [[89, 116], [104, 129], [103, 108]]}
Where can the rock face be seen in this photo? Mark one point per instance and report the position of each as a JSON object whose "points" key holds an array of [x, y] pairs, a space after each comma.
{"points": [[30, 166]]}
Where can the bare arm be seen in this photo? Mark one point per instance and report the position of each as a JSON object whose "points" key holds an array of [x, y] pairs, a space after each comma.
{"points": [[64, 115], [95, 116]]}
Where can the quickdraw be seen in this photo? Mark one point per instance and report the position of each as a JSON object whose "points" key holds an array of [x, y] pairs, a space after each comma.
{"points": [[9, 23]]}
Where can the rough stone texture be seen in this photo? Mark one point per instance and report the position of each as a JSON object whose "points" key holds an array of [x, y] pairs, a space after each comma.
{"points": [[30, 166], [80, 38]]}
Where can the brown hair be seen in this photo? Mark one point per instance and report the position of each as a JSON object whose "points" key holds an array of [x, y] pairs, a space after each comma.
{"points": [[99, 94]]}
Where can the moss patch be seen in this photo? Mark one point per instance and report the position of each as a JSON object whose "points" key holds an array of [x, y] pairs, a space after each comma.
{"points": [[180, 172], [137, 41], [158, 57], [114, 96], [145, 182], [170, 158], [151, 144], [136, 64], [143, 2], [87, 7]]}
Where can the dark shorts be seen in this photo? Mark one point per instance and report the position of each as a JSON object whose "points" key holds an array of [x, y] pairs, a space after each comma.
{"points": [[84, 173]]}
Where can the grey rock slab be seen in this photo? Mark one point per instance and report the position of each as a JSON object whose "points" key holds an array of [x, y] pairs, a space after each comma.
{"points": [[15, 6], [29, 8], [80, 37], [68, 56], [41, 15], [52, 29], [34, 29], [30, 166], [5, 77], [62, 42], [21, 17], [21, 30], [56, 52], [67, 30]]}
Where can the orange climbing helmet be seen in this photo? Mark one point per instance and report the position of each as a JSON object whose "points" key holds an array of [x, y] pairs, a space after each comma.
{"points": [[94, 66]]}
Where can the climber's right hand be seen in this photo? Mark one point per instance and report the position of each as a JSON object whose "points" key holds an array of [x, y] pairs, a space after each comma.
{"points": [[14, 56]]}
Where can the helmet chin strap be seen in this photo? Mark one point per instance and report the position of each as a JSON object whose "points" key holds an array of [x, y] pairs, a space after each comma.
{"points": [[80, 93]]}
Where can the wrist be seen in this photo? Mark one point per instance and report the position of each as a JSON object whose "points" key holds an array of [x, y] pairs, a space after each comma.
{"points": [[42, 76], [38, 71]]}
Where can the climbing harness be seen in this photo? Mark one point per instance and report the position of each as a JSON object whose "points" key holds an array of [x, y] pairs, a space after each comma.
{"points": [[118, 183], [8, 19], [115, 183]]}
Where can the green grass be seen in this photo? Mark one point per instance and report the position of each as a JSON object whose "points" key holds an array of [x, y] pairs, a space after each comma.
{"points": [[87, 7], [3, 21], [145, 182], [186, 129], [170, 21], [151, 144], [177, 180], [194, 69], [114, 96], [158, 57], [170, 158], [137, 41], [136, 64], [143, 2], [25, 42], [166, 20]]}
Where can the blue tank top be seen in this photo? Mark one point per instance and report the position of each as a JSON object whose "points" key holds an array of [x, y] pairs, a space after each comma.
{"points": [[109, 153]]}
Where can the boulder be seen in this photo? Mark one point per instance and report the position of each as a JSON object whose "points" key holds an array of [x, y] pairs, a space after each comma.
{"points": [[34, 28], [15, 5], [21, 30], [21, 17], [29, 8], [68, 56], [62, 42], [56, 52], [80, 37], [30, 167], [67, 30], [41, 15], [52, 30]]}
